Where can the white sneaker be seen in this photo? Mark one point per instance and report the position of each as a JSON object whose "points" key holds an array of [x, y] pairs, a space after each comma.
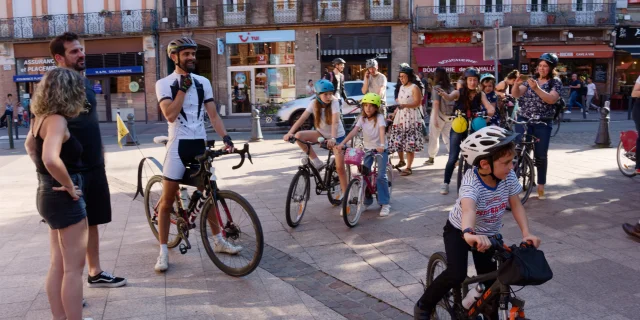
{"points": [[163, 263], [385, 210], [444, 189], [225, 247], [568, 111], [317, 163]]}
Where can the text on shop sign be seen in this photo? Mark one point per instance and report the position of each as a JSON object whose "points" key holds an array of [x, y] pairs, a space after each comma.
{"points": [[447, 38], [115, 70]]}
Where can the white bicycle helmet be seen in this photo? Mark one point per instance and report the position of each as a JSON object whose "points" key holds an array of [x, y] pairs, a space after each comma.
{"points": [[372, 63], [481, 143]]}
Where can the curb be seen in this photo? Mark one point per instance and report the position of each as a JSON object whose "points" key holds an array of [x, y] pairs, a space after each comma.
{"points": [[267, 129]]}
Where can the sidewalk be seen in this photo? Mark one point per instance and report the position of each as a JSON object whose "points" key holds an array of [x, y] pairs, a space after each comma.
{"points": [[594, 116], [323, 269]]}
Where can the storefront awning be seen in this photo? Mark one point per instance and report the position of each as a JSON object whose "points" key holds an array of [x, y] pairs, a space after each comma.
{"points": [[571, 52], [344, 52], [454, 59], [634, 50]]}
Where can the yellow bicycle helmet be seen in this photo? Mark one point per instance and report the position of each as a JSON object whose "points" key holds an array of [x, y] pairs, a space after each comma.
{"points": [[371, 98], [459, 124]]}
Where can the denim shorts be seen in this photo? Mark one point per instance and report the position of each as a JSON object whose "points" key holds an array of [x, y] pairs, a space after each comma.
{"points": [[57, 208]]}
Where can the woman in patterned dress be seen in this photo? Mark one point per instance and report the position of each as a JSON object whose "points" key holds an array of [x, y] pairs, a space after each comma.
{"points": [[406, 132]]}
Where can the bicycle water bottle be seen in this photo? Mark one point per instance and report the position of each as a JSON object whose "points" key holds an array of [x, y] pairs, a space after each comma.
{"points": [[184, 197], [473, 295]]}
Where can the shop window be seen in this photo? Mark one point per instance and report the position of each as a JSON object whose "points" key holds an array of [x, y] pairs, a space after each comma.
{"points": [[275, 85], [112, 60], [262, 53], [538, 6], [128, 92]]}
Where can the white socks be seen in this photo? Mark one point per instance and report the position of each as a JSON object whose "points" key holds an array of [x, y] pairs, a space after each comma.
{"points": [[163, 249], [217, 238]]}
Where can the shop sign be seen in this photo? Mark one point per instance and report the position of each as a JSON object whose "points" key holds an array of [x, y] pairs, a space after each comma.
{"points": [[261, 36], [115, 70], [35, 65], [524, 68], [446, 38], [288, 58], [262, 58], [27, 78], [458, 69], [628, 35]]}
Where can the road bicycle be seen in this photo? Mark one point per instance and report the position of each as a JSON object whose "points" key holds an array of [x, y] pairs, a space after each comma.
{"points": [[238, 221], [626, 155], [555, 123], [498, 295], [363, 184], [300, 187]]}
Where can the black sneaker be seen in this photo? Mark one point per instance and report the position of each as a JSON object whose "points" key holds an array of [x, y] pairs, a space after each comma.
{"points": [[106, 280], [429, 162]]}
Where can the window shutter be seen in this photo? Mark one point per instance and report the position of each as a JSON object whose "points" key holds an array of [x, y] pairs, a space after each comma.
{"points": [[436, 7], [574, 5], [506, 6], [528, 5], [460, 6], [483, 4]]}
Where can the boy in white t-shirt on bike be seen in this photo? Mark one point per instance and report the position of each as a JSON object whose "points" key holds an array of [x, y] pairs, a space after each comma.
{"points": [[373, 124], [485, 191]]}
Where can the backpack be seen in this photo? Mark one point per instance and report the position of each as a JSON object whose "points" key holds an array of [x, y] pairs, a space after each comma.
{"points": [[446, 107], [560, 104]]}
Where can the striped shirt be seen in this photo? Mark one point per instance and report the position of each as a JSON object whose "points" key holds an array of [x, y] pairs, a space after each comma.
{"points": [[490, 202]]}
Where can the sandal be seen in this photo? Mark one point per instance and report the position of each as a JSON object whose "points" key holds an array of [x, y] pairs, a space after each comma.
{"points": [[400, 165], [406, 172]]}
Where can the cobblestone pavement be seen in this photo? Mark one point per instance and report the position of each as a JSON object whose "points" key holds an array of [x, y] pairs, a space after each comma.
{"points": [[323, 269]]}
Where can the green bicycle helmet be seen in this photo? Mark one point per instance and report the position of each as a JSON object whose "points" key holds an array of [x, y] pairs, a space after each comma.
{"points": [[371, 98]]}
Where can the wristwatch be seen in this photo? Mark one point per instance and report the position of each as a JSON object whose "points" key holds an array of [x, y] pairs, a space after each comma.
{"points": [[468, 230]]}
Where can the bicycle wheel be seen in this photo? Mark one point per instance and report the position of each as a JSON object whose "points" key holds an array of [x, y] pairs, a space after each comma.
{"points": [[352, 204], [242, 228], [297, 198], [526, 176], [626, 164], [334, 191], [152, 195], [437, 264]]}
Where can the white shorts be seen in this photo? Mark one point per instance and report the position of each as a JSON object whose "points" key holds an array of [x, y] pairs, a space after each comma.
{"points": [[180, 154]]}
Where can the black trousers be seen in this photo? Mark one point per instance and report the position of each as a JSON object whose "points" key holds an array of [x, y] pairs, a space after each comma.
{"points": [[457, 259]]}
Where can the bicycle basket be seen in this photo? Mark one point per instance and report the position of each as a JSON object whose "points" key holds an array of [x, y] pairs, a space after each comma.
{"points": [[525, 265], [353, 156]]}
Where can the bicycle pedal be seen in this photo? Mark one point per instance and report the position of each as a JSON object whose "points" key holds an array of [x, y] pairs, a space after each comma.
{"points": [[183, 249]]}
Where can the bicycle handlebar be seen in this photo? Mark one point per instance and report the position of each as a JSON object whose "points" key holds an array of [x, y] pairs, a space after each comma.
{"points": [[209, 153], [530, 121]]}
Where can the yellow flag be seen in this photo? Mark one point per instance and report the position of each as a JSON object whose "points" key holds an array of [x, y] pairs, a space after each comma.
{"points": [[122, 130]]}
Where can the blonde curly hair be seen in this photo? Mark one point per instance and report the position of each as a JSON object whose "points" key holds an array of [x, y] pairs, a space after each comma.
{"points": [[61, 91]]}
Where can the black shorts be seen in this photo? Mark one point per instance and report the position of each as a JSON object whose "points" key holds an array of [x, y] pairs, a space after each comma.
{"points": [[97, 197], [57, 208]]}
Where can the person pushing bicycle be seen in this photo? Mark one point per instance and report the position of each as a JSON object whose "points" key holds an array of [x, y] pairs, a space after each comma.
{"points": [[478, 212], [182, 96]]}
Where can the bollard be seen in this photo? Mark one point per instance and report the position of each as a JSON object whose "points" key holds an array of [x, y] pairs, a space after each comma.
{"points": [[603, 138], [10, 133], [132, 138], [15, 124], [256, 131]]}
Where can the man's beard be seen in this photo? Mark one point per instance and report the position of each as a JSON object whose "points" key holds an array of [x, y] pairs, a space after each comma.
{"points": [[186, 67], [76, 66]]}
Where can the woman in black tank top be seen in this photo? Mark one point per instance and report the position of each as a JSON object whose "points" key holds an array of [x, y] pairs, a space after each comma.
{"points": [[60, 96]]}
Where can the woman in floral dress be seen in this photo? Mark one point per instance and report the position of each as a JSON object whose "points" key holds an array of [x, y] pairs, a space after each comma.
{"points": [[406, 132]]}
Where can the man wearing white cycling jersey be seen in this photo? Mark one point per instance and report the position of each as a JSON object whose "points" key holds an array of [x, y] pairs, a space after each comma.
{"points": [[184, 97]]}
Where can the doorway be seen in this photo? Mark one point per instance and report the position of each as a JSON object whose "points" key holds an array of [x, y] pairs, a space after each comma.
{"points": [[241, 90], [101, 86]]}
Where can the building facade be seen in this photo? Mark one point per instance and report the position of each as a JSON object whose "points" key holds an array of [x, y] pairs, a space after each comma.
{"points": [[579, 31], [118, 37], [262, 51]]}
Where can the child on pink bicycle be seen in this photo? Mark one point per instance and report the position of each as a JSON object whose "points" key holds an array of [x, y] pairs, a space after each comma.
{"points": [[373, 124]]}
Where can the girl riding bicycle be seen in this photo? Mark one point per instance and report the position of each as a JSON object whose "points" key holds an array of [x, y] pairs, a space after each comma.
{"points": [[326, 116], [372, 123], [470, 100], [478, 212]]}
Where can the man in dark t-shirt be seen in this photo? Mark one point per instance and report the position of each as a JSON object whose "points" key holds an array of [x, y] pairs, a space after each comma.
{"points": [[67, 51], [574, 98]]}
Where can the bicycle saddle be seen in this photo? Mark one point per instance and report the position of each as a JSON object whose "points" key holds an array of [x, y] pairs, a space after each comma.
{"points": [[161, 140]]}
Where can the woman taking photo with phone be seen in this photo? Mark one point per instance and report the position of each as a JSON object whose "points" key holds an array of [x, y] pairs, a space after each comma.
{"points": [[539, 95]]}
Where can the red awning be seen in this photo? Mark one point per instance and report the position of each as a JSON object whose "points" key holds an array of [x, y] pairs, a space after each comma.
{"points": [[571, 52], [454, 59]]}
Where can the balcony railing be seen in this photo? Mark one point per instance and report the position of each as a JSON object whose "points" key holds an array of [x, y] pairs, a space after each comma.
{"points": [[84, 24], [525, 15], [330, 10], [381, 9], [186, 17], [285, 11], [233, 14]]}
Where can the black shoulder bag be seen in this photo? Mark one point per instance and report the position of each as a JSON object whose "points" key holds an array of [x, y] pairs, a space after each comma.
{"points": [[560, 104]]}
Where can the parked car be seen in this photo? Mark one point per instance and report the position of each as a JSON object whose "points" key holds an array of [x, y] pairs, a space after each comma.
{"points": [[291, 111]]}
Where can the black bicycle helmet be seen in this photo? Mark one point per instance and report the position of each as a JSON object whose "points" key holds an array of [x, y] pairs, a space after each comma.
{"points": [[406, 70], [338, 61], [472, 73], [179, 44], [550, 58]]}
